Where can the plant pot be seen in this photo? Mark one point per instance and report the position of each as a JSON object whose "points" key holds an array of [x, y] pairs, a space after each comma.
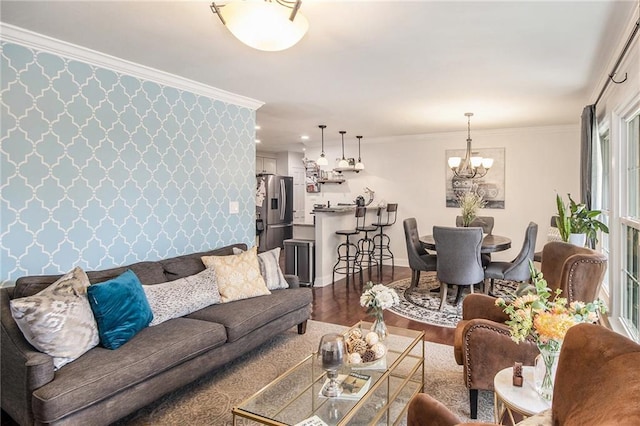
{"points": [[577, 239]]}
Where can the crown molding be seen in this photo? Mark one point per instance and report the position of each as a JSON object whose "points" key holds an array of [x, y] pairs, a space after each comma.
{"points": [[30, 39]]}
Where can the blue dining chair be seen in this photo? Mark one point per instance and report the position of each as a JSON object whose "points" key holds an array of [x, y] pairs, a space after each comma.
{"points": [[458, 261]]}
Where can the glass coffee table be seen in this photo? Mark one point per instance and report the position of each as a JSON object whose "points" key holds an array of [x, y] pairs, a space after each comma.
{"points": [[296, 395]]}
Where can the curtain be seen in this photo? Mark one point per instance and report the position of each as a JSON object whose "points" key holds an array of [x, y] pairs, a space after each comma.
{"points": [[588, 138]]}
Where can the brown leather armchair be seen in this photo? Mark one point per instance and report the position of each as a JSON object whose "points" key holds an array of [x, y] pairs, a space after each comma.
{"points": [[597, 383], [482, 341]]}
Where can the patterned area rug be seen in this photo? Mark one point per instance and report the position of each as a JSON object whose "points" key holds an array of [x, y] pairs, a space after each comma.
{"points": [[421, 304], [208, 400]]}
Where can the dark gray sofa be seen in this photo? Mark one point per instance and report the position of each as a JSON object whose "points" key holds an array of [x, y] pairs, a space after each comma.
{"points": [[104, 385]]}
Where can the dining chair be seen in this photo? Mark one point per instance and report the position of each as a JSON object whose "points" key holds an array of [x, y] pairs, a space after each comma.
{"points": [[518, 268], [419, 259], [458, 260], [484, 222]]}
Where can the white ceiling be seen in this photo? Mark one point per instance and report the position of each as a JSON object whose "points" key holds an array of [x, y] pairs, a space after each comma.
{"points": [[372, 68]]}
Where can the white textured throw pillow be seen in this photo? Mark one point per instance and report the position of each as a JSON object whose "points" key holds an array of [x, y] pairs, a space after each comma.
{"points": [[58, 320], [270, 268], [180, 297]]}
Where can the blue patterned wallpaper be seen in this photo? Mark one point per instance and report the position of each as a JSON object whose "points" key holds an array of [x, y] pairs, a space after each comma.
{"points": [[101, 169]]}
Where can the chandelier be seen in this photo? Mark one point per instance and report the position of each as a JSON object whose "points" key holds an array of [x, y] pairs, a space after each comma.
{"points": [[469, 167], [269, 25]]}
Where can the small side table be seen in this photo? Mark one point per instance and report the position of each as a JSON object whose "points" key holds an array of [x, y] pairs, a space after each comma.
{"points": [[509, 399]]}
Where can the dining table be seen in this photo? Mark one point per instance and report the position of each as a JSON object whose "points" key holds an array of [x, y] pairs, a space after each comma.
{"points": [[490, 243]]}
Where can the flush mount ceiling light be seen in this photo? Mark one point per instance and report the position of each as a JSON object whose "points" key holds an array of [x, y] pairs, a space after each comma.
{"points": [[322, 161], [343, 163], [269, 25], [470, 167]]}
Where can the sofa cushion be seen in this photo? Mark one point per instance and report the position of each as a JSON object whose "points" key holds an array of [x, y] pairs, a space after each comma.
{"points": [[58, 320], [120, 308], [243, 316], [100, 373], [191, 264], [238, 276], [147, 272], [180, 297]]}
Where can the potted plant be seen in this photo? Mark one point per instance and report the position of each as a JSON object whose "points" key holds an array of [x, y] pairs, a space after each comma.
{"points": [[469, 203], [577, 224]]}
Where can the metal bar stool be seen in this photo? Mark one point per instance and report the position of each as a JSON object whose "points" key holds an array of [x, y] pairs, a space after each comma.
{"points": [[366, 247], [381, 240], [347, 256]]}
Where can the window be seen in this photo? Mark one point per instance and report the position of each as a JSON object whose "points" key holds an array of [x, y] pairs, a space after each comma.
{"points": [[630, 222], [601, 198]]}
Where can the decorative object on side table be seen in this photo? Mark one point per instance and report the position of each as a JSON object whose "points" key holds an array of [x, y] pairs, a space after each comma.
{"points": [[376, 298], [545, 317], [332, 351], [517, 374], [469, 203]]}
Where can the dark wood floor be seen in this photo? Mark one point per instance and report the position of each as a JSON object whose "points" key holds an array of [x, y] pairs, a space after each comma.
{"points": [[340, 304]]}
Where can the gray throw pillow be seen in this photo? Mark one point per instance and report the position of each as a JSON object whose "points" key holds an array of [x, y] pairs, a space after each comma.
{"points": [[58, 320], [183, 296], [270, 268]]}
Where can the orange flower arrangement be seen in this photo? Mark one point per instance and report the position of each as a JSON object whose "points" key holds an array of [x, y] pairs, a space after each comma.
{"points": [[544, 315]]}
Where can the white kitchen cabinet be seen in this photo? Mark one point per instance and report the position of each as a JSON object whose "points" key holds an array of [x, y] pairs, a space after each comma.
{"points": [[266, 165]]}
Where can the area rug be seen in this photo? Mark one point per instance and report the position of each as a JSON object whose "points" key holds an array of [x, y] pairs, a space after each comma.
{"points": [[208, 401], [423, 305]]}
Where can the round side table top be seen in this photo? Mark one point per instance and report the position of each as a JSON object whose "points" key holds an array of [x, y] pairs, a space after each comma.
{"points": [[525, 399]]}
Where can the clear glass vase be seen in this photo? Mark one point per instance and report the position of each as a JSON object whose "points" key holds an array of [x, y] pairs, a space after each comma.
{"points": [[545, 369], [379, 327]]}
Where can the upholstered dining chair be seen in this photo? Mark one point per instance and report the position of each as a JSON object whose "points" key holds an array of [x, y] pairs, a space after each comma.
{"points": [[518, 268], [597, 383], [419, 259], [484, 222], [482, 340], [458, 259]]}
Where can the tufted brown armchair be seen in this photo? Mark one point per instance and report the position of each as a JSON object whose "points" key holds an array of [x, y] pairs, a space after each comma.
{"points": [[482, 342], [597, 383]]}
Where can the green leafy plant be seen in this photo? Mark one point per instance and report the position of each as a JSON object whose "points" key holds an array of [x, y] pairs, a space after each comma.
{"points": [[469, 203], [576, 218]]}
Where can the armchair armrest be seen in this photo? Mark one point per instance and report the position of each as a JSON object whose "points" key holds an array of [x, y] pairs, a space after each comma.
{"points": [[427, 411], [482, 306], [22, 368]]}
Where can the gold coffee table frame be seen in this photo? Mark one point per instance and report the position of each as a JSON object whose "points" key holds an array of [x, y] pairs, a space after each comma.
{"points": [[295, 395]]}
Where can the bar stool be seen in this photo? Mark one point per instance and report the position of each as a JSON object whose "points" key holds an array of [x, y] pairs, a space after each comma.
{"points": [[381, 240], [366, 247], [346, 259]]}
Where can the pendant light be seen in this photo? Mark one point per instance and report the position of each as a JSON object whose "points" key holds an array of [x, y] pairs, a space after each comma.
{"points": [[343, 163], [359, 164], [470, 167], [322, 161]]}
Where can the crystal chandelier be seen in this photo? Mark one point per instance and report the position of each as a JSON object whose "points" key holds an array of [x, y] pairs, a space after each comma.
{"points": [[469, 167]]}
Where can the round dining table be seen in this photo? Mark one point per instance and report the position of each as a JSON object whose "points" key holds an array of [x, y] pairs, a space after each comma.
{"points": [[490, 243]]}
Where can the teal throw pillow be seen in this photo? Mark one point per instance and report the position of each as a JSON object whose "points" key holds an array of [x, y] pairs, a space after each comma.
{"points": [[120, 308]]}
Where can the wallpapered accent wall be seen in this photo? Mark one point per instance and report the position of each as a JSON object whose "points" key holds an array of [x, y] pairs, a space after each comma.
{"points": [[101, 169]]}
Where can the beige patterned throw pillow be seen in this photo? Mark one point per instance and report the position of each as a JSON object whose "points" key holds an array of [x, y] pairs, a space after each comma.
{"points": [[238, 276], [58, 320], [270, 268]]}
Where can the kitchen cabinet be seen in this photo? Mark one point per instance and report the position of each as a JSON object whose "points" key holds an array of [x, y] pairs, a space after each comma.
{"points": [[266, 165]]}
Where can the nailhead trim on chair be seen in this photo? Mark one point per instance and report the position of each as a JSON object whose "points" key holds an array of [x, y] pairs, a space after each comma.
{"points": [[466, 347], [572, 270]]}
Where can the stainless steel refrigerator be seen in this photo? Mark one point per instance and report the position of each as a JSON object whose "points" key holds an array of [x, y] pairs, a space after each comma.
{"points": [[274, 210]]}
